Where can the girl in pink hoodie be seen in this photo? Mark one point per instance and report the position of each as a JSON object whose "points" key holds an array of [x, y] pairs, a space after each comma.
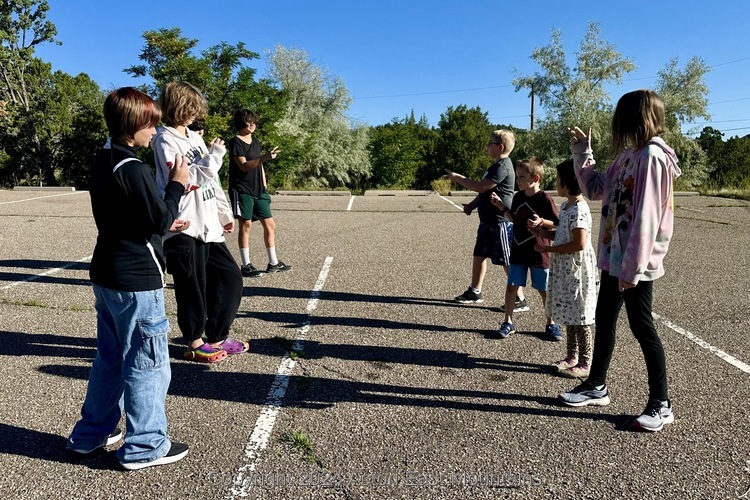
{"points": [[636, 227]]}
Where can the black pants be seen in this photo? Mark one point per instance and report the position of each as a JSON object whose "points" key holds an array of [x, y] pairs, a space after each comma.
{"points": [[638, 303], [207, 286]]}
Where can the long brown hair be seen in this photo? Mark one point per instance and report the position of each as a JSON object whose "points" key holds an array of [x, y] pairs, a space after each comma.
{"points": [[639, 116]]}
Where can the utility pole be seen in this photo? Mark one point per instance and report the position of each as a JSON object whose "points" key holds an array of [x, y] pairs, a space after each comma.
{"points": [[532, 108]]}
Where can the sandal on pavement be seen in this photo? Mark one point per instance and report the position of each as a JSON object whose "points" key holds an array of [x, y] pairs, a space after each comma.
{"points": [[233, 346], [205, 353]]}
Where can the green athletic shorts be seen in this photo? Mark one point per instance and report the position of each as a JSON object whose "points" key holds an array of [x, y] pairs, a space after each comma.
{"points": [[250, 207]]}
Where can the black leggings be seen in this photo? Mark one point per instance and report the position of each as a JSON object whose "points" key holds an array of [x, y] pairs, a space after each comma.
{"points": [[207, 287], [638, 303]]}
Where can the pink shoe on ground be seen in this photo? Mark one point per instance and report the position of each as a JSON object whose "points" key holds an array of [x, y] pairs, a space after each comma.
{"points": [[564, 364], [577, 371]]}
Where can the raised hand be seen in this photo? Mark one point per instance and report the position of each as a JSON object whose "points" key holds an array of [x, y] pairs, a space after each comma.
{"points": [[577, 135]]}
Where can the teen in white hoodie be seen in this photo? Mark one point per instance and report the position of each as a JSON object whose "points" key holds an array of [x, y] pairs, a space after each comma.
{"points": [[207, 280]]}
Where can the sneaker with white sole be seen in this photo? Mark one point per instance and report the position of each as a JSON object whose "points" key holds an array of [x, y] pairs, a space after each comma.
{"points": [[586, 394], [279, 267], [470, 297], [176, 453], [506, 329], [655, 416], [519, 306], [111, 439]]}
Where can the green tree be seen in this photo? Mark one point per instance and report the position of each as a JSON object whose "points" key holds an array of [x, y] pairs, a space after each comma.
{"points": [[80, 130], [221, 73], [398, 150], [712, 142], [462, 142], [575, 96], [733, 173], [23, 26], [684, 93], [322, 147]]}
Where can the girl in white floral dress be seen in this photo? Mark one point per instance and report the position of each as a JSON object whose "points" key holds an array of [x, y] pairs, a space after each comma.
{"points": [[573, 277]]}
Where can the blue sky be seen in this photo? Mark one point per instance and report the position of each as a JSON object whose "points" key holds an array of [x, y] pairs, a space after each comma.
{"points": [[396, 56]]}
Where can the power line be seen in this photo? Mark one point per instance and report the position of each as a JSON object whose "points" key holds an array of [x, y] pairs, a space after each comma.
{"points": [[510, 85], [435, 92], [732, 100]]}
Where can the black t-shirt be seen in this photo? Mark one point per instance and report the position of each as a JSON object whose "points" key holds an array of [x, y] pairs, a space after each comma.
{"points": [[523, 208], [250, 182], [502, 174]]}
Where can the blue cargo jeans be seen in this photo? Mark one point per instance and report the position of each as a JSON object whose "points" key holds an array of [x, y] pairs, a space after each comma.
{"points": [[131, 372]]}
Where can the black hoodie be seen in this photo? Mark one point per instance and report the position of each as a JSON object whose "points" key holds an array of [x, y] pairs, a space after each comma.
{"points": [[131, 217]]}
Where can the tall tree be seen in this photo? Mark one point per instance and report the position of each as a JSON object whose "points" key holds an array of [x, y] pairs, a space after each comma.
{"points": [[576, 95], [398, 150], [462, 142], [323, 147], [24, 26], [220, 72]]}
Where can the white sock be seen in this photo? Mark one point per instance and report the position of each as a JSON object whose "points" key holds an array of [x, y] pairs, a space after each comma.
{"points": [[475, 290], [245, 254], [272, 256]]}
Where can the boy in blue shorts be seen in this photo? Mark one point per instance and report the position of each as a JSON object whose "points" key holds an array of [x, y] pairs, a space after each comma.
{"points": [[495, 230], [248, 194], [531, 207]]}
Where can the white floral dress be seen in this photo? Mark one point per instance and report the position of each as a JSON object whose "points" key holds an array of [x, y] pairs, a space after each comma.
{"points": [[573, 277]]}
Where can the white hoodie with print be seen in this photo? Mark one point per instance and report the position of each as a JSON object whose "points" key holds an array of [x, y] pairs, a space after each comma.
{"points": [[204, 203]]}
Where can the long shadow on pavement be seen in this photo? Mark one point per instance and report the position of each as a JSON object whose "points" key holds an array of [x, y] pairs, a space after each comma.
{"points": [[51, 447], [192, 380], [45, 344], [296, 320], [54, 280], [251, 291], [45, 264]]}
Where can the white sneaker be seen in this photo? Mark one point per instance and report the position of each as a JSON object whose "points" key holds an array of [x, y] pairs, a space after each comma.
{"points": [[655, 416]]}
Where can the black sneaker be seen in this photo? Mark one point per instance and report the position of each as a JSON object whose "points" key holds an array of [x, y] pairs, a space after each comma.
{"points": [[279, 268], [176, 453], [111, 439], [469, 297], [519, 306], [249, 271]]}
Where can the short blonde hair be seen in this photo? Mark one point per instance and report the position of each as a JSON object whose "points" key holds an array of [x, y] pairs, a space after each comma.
{"points": [[181, 103], [505, 137], [533, 166]]}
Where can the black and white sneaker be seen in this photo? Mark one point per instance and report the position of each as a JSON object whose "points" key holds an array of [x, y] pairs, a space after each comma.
{"points": [[520, 306], [177, 452], [250, 271], [586, 394], [111, 439], [655, 416], [280, 267], [469, 297]]}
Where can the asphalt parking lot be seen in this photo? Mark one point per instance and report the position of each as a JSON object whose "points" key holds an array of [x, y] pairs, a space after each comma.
{"points": [[365, 380]]}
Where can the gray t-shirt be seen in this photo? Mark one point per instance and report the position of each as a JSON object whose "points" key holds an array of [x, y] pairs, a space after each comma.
{"points": [[501, 173]]}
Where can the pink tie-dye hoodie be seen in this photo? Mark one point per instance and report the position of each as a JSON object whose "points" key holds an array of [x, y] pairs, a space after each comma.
{"points": [[637, 207]]}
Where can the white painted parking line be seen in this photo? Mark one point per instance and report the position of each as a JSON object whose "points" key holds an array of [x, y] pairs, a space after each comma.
{"points": [[258, 440], [351, 200], [47, 273], [705, 345], [40, 197], [449, 201]]}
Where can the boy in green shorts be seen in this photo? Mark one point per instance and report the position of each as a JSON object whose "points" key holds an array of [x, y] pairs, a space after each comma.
{"points": [[248, 195]]}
